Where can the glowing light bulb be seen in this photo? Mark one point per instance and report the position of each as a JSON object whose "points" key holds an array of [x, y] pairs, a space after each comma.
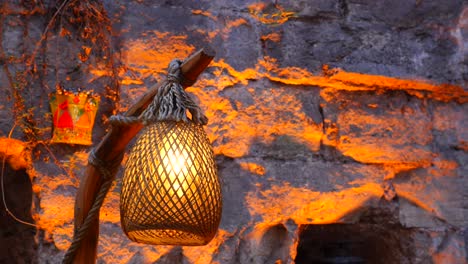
{"points": [[177, 164], [176, 161]]}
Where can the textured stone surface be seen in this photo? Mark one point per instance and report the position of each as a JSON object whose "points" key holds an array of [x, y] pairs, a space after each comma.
{"points": [[345, 112]]}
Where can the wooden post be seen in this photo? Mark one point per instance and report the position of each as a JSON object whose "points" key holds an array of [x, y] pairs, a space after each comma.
{"points": [[113, 146]]}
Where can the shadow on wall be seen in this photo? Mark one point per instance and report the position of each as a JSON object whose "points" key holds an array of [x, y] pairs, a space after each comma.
{"points": [[17, 239]]}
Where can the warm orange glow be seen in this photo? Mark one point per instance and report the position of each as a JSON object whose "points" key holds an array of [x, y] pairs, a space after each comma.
{"points": [[56, 213], [146, 58], [204, 13], [176, 161], [56, 218], [170, 191], [304, 206], [15, 153], [259, 122], [236, 23], [426, 192], [177, 164], [197, 256], [225, 118], [253, 168], [444, 168], [410, 196], [275, 37], [269, 15], [420, 89], [398, 130], [130, 81], [330, 84], [150, 56], [269, 113]]}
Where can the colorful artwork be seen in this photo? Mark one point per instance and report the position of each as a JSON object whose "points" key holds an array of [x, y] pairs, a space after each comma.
{"points": [[73, 116]]}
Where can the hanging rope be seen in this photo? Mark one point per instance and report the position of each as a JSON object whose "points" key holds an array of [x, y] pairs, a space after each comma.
{"points": [[170, 103]]}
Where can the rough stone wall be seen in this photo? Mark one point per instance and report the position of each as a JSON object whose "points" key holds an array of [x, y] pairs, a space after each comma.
{"points": [[321, 112]]}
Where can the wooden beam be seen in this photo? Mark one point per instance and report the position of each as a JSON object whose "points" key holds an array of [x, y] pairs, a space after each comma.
{"points": [[111, 148]]}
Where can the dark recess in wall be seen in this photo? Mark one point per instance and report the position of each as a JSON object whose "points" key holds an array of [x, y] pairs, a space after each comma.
{"points": [[17, 239], [353, 244]]}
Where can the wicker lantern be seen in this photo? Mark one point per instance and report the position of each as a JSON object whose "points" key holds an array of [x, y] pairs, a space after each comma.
{"points": [[171, 193]]}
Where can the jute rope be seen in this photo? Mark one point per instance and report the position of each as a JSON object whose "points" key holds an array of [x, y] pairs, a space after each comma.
{"points": [[170, 103], [108, 176]]}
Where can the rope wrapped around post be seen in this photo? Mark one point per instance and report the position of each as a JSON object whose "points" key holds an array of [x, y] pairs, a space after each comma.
{"points": [[107, 172]]}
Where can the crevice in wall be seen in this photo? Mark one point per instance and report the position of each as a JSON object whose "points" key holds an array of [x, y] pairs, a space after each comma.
{"points": [[343, 7], [18, 240], [353, 243]]}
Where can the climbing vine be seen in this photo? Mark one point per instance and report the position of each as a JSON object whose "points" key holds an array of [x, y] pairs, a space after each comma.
{"points": [[76, 36]]}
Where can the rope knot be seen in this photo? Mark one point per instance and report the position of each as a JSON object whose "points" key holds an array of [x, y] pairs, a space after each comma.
{"points": [[171, 103], [174, 73]]}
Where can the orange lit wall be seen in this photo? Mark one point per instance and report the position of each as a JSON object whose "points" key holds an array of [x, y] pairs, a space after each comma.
{"points": [[316, 117]]}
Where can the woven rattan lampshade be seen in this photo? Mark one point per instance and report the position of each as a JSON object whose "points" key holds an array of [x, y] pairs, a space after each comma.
{"points": [[171, 193]]}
